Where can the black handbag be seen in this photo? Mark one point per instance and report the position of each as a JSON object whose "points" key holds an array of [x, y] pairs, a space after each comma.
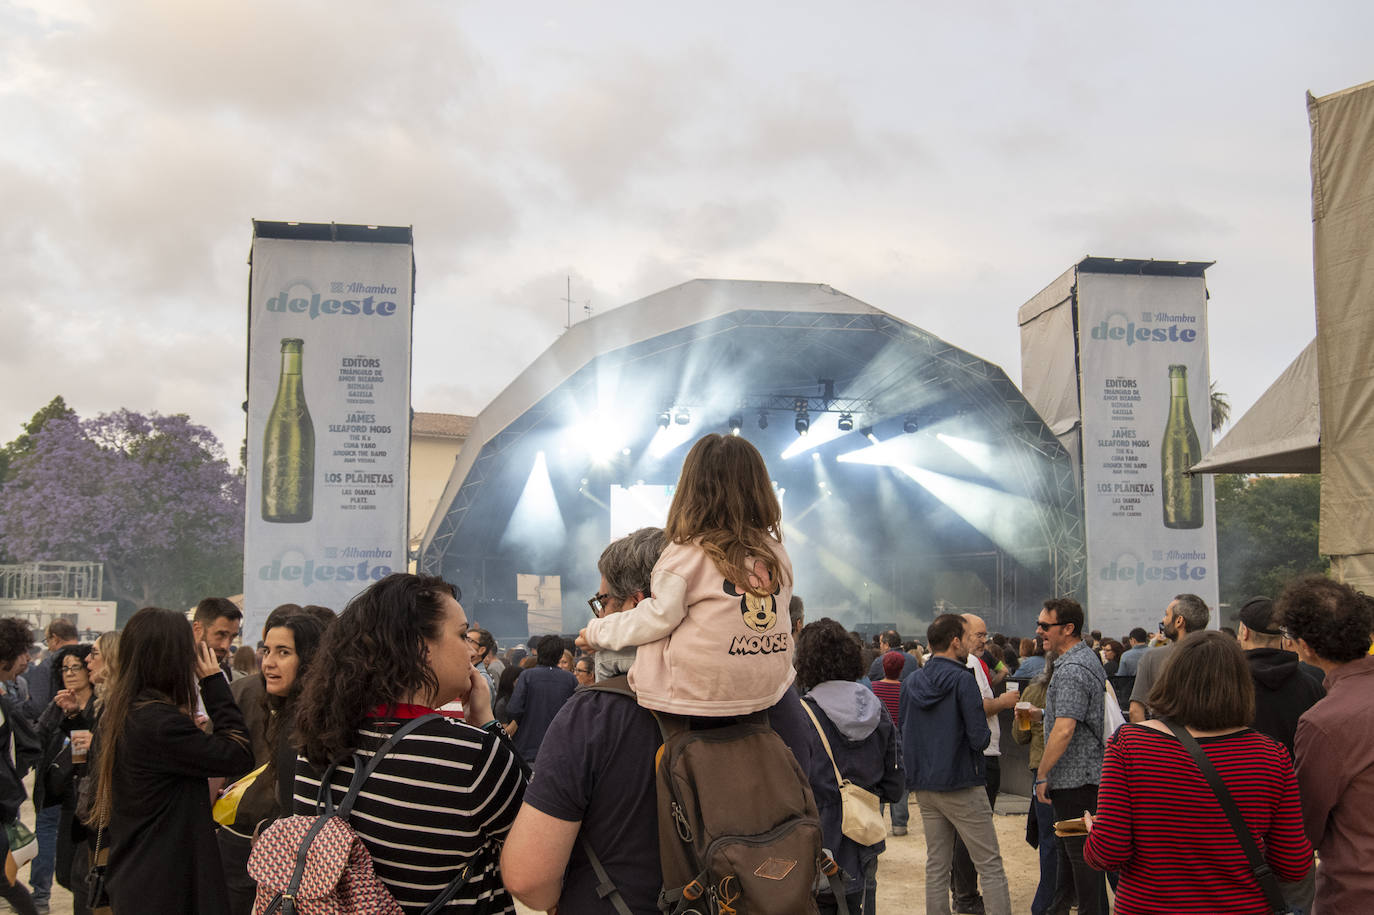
{"points": [[97, 897], [1269, 884]]}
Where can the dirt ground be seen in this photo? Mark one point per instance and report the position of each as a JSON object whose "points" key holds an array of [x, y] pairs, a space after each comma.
{"points": [[902, 868]]}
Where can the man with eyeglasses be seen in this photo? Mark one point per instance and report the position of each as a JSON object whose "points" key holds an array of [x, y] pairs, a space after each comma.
{"points": [[59, 634], [1071, 767], [483, 646]]}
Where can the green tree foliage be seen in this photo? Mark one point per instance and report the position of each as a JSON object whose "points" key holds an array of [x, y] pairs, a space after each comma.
{"points": [[1266, 533], [56, 408]]}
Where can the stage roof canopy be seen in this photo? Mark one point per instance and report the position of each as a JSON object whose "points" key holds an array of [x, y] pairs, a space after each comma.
{"points": [[617, 400]]}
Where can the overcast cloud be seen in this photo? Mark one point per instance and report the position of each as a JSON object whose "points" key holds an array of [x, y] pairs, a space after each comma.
{"points": [[941, 164]]}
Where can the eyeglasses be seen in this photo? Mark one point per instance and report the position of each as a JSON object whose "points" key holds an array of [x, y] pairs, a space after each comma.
{"points": [[1047, 626], [582, 670], [73, 668], [1283, 631], [598, 604]]}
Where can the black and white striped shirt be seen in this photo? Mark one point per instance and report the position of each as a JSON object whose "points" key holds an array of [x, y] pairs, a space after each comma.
{"points": [[443, 794]]}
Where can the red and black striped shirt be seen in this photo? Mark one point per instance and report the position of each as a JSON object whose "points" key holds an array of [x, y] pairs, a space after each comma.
{"points": [[1161, 827]]}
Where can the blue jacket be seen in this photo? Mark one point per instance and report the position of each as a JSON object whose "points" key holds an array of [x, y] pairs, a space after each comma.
{"points": [[944, 730]]}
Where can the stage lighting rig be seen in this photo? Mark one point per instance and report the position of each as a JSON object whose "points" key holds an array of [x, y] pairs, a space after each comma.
{"points": [[909, 424], [763, 419], [736, 422], [664, 419], [846, 423], [683, 416]]}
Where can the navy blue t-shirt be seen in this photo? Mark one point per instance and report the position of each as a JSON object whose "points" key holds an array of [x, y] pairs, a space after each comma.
{"points": [[596, 765]]}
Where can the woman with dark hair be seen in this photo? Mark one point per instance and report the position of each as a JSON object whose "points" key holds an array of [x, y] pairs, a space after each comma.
{"points": [[447, 793], [863, 742], [1182, 856], [152, 806], [70, 714], [291, 642], [1112, 650]]}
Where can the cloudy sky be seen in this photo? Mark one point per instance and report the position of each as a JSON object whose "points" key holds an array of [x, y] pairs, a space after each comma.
{"points": [[942, 162]]}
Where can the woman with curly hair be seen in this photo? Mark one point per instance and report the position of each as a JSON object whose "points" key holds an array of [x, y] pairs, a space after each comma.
{"points": [[446, 794], [863, 743]]}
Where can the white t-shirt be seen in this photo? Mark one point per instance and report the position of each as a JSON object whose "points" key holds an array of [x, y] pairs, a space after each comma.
{"points": [[984, 687]]}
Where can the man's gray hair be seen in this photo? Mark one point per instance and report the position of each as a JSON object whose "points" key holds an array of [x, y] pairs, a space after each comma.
{"points": [[1194, 611], [628, 563]]}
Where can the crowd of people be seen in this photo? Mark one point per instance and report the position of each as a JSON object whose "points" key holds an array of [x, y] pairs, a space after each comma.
{"points": [[481, 774]]}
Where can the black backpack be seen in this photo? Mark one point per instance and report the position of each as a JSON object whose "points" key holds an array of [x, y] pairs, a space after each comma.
{"points": [[728, 842]]}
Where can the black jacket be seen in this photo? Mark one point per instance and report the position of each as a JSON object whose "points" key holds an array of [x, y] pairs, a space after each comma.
{"points": [[1282, 693], [163, 852]]}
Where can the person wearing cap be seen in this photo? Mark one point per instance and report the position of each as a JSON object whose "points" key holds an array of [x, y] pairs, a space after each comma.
{"points": [[1282, 691]]}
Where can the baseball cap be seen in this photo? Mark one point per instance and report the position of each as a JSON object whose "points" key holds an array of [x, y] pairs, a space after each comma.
{"points": [[1258, 614]]}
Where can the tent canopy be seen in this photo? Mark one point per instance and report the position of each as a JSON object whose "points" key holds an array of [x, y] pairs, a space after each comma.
{"points": [[1281, 433]]}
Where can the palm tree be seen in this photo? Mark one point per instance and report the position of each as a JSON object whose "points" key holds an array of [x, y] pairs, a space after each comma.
{"points": [[1221, 408]]}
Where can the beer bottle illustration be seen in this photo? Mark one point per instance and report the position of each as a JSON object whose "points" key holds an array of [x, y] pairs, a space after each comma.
{"points": [[288, 450], [1180, 450]]}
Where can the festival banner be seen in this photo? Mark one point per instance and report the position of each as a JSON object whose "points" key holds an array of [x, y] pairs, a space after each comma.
{"points": [[1151, 528], [328, 416]]}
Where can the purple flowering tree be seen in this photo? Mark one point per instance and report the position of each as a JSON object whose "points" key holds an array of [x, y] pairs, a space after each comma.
{"points": [[152, 497]]}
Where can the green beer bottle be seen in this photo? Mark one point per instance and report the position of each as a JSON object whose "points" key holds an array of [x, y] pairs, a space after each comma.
{"points": [[288, 446], [1179, 451]]}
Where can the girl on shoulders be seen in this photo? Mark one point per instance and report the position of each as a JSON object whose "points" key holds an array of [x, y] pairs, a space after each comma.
{"points": [[710, 639]]}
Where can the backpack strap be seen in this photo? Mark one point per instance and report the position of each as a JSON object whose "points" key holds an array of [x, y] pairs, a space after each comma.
{"points": [[605, 887]]}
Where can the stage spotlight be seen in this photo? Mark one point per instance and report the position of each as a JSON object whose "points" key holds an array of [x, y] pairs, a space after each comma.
{"points": [[664, 419], [683, 417], [763, 419], [736, 422], [803, 422], [846, 422], [909, 424], [866, 431]]}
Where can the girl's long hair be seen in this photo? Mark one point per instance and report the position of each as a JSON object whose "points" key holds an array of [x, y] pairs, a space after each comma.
{"points": [[108, 643], [157, 664], [725, 502], [376, 654], [306, 631]]}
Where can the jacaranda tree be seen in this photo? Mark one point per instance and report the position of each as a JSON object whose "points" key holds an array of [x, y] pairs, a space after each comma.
{"points": [[152, 497]]}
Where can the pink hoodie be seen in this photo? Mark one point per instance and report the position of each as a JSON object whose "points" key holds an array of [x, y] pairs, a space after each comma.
{"points": [[704, 648]]}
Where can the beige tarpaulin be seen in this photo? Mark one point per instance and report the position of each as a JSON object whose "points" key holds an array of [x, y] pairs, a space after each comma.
{"points": [[1281, 433], [1343, 247]]}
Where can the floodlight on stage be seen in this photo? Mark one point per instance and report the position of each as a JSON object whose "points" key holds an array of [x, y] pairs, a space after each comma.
{"points": [[867, 432], [909, 424], [683, 417], [803, 422], [846, 422], [736, 422], [763, 419], [664, 419], [820, 432]]}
